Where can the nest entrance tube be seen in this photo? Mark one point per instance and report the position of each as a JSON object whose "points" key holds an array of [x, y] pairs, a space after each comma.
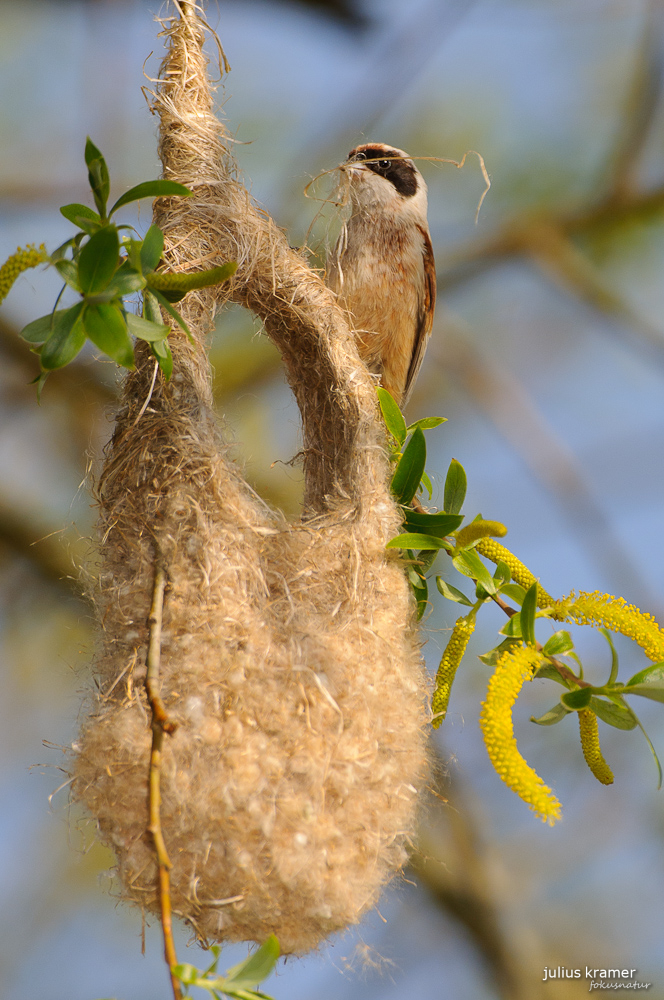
{"points": [[289, 660]]}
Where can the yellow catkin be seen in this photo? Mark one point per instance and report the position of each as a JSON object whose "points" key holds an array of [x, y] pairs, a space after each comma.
{"points": [[19, 262], [512, 670], [167, 281], [451, 659], [591, 748], [190, 280], [617, 615], [493, 550]]}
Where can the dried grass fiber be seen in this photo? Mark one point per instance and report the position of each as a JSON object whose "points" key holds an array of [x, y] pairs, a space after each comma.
{"points": [[289, 656]]}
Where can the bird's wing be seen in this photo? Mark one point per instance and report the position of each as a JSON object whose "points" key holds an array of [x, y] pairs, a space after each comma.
{"points": [[424, 315]]}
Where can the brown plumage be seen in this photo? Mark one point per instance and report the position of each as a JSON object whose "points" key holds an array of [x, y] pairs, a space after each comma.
{"points": [[382, 267]]}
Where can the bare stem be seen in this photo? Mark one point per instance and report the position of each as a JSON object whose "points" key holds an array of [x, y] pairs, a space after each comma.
{"points": [[154, 649], [564, 671], [160, 724]]}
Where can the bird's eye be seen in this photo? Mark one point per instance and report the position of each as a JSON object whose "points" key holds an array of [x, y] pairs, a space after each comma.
{"points": [[385, 164]]}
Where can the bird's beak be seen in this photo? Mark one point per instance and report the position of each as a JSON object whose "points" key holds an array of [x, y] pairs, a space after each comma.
{"points": [[353, 169]]}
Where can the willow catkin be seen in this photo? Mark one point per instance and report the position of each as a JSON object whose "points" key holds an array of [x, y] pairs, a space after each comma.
{"points": [[513, 669], [19, 262], [449, 664], [289, 660], [496, 552], [592, 751]]}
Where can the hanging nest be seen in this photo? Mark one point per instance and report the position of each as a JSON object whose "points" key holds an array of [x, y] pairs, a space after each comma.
{"points": [[289, 658]]}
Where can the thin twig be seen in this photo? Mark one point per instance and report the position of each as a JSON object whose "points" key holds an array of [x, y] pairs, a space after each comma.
{"points": [[503, 605], [564, 671], [160, 724], [154, 648]]}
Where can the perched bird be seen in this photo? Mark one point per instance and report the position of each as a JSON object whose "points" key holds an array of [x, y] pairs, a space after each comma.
{"points": [[382, 267]]}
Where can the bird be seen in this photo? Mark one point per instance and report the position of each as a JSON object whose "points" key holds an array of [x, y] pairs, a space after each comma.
{"points": [[382, 267]]}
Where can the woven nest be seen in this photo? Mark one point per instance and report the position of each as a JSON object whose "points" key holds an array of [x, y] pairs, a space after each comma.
{"points": [[289, 658]]}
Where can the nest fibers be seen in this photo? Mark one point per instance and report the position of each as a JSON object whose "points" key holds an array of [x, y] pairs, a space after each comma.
{"points": [[289, 659]]}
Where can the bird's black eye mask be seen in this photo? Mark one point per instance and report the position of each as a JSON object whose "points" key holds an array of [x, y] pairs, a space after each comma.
{"points": [[394, 169]]}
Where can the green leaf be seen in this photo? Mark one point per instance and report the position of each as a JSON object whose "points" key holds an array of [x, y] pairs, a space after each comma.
{"points": [[82, 216], [257, 967], [528, 610], [408, 473], [69, 271], [98, 260], [410, 540], [578, 662], [613, 676], [652, 690], [241, 994], [170, 294], [502, 575], [426, 483], [76, 209], [39, 381], [151, 308], [426, 558], [455, 488], [479, 529], [578, 699], [515, 592], [151, 189], [448, 522], [172, 312], [426, 423], [66, 340], [493, 655], [420, 589], [652, 675], [469, 563], [105, 325], [91, 152], [145, 329], [392, 416], [186, 973], [162, 353], [125, 282], [452, 593], [550, 718], [152, 248], [41, 329], [548, 671], [618, 716], [557, 644], [216, 951], [133, 249], [480, 593], [512, 626], [440, 524], [60, 251], [97, 176], [649, 742]]}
